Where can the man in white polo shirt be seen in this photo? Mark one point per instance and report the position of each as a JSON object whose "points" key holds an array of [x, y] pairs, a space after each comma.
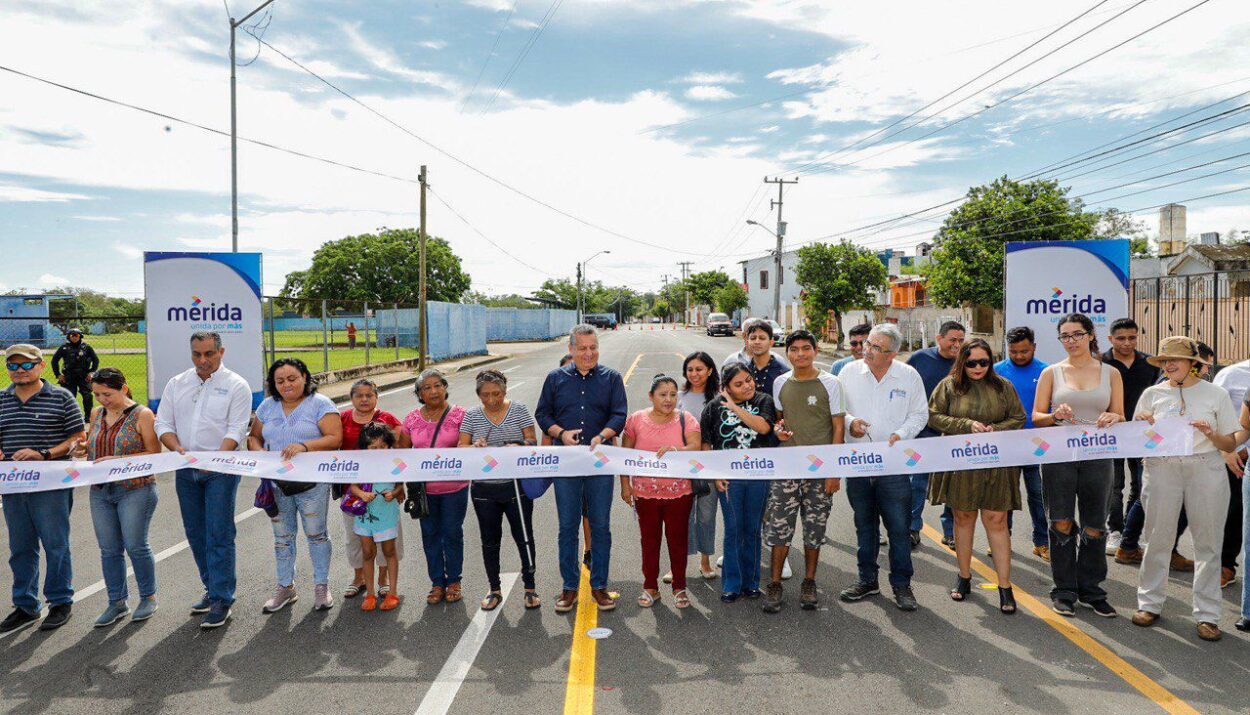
{"points": [[207, 408], [885, 402]]}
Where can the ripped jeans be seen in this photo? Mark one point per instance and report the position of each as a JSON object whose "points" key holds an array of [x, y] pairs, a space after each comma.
{"points": [[1078, 557], [310, 507]]}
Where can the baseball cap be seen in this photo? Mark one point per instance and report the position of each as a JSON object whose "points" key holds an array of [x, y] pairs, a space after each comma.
{"points": [[23, 350]]}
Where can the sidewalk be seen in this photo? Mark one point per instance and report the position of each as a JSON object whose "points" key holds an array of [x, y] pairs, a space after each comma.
{"points": [[340, 392]]}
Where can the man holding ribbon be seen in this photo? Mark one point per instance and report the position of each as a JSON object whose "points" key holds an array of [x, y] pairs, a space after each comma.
{"points": [[583, 403]]}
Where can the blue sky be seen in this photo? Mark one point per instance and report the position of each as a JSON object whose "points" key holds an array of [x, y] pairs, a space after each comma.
{"points": [[654, 120]]}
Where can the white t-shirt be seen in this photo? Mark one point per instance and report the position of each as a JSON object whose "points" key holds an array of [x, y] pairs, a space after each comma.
{"points": [[1203, 401]]}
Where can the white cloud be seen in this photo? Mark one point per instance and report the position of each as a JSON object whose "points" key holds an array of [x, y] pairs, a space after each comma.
{"points": [[127, 250], [524, 23], [385, 60], [25, 194], [49, 280], [770, 129], [709, 93], [711, 78], [432, 44], [495, 5], [97, 219]]}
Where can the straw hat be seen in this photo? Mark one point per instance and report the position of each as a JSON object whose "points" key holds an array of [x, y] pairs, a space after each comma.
{"points": [[1177, 347]]}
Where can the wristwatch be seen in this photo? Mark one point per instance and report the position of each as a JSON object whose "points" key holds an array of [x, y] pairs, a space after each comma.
{"points": [[45, 454]]}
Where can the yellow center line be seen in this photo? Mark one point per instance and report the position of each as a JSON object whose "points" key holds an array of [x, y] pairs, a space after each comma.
{"points": [[629, 373], [1134, 677], [579, 695]]}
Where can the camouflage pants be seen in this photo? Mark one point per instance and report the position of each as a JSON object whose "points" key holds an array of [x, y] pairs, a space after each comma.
{"points": [[787, 498]]}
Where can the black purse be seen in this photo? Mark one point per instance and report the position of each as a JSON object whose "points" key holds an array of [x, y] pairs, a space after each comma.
{"points": [[698, 487], [417, 505]]}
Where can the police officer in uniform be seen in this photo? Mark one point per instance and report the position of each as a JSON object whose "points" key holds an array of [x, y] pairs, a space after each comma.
{"points": [[73, 364]]}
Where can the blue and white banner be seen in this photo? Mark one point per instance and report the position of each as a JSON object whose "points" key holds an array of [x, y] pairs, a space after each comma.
{"points": [[189, 292], [1046, 280], [1166, 438]]}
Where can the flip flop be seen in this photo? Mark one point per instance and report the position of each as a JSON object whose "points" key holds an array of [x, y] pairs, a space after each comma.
{"points": [[646, 600], [682, 598], [354, 590]]}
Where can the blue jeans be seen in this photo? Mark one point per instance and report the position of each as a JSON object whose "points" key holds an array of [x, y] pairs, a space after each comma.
{"points": [[121, 518], [1037, 505], [35, 519], [309, 507], [442, 537], [702, 528], [743, 510], [596, 494], [919, 495], [206, 500], [875, 500]]}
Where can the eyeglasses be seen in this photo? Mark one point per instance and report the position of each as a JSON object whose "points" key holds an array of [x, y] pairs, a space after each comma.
{"points": [[979, 362], [857, 343], [1072, 337], [874, 348], [15, 366]]}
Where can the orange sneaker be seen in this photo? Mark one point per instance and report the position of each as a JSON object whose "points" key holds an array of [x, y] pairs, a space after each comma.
{"points": [[389, 603], [370, 603]]}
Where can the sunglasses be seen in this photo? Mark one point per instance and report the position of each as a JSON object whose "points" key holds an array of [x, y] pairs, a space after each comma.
{"points": [[856, 343], [979, 362], [15, 366]]}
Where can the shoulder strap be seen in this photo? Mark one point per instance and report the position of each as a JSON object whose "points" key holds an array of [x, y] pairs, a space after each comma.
{"points": [[438, 427], [681, 415]]}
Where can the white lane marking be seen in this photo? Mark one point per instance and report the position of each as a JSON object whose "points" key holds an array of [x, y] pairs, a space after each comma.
{"points": [[175, 549], [515, 385], [405, 388], [442, 692], [514, 367]]}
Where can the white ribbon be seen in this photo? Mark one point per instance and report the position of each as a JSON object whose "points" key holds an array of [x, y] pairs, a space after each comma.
{"points": [[1166, 438]]}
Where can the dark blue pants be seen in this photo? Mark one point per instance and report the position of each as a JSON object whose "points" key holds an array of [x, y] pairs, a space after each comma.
{"points": [[595, 493], [743, 510], [206, 500], [35, 519], [882, 499], [442, 537]]}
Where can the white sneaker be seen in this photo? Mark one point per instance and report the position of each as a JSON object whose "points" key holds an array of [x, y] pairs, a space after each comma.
{"points": [[720, 562], [785, 570], [1114, 539]]}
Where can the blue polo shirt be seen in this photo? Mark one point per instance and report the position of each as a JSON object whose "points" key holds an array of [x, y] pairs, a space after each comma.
{"points": [[1024, 379], [590, 402], [933, 368], [836, 368]]}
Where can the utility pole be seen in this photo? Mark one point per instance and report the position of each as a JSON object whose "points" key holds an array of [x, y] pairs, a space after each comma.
{"points": [[781, 234], [234, 135], [685, 273], [423, 341], [579, 293]]}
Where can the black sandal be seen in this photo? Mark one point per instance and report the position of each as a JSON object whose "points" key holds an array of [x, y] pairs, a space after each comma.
{"points": [[492, 601], [532, 601], [963, 587], [1006, 600]]}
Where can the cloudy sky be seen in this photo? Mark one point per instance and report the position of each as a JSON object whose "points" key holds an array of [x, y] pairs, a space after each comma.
{"points": [[559, 128]]}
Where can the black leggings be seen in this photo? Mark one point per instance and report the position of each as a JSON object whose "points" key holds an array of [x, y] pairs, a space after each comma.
{"points": [[492, 502]]}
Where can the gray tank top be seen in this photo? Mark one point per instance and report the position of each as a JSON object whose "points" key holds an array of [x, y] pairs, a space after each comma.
{"points": [[1086, 405]]}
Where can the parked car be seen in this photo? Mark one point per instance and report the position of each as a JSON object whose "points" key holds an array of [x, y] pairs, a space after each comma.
{"points": [[603, 322], [779, 335], [719, 324]]}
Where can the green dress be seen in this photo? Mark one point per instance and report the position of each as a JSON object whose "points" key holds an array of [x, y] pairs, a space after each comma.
{"points": [[996, 489]]}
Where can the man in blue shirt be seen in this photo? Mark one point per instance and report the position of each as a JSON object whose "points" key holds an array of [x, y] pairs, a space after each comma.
{"points": [[859, 336], [765, 366], [583, 403], [1023, 369], [934, 364]]}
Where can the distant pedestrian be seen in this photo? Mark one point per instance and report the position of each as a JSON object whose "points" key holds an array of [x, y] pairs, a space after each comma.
{"points": [[858, 337], [73, 363], [351, 335]]}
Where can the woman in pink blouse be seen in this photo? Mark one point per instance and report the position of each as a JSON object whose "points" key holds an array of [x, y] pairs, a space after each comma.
{"points": [[661, 504], [437, 424]]}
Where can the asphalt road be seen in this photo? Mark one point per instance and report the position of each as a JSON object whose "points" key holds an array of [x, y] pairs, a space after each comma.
{"points": [[713, 658]]}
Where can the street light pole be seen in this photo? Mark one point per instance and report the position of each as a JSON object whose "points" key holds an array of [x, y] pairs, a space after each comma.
{"points": [[581, 279], [234, 134]]}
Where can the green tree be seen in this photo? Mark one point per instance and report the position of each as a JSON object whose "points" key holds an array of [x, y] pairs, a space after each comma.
{"points": [[509, 300], [703, 286], [967, 266], [662, 309], [381, 267], [837, 277], [1114, 223], [731, 297]]}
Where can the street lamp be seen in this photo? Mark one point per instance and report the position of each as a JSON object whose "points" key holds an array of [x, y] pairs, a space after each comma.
{"points": [[776, 265], [581, 278], [234, 135]]}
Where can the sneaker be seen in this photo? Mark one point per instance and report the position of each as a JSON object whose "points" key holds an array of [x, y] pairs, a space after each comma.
{"points": [[1182, 564], [283, 596], [1243, 623], [786, 573], [949, 542], [905, 599], [1209, 631], [730, 597], [720, 562], [752, 593], [57, 617], [1042, 552], [773, 597], [859, 592], [116, 611], [201, 606], [1100, 607], [1227, 577], [145, 610], [807, 595], [17, 620], [1113, 542], [915, 540], [217, 615], [1131, 557], [322, 600], [1062, 607]]}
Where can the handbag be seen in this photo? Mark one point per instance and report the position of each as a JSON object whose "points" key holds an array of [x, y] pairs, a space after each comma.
{"points": [[264, 498], [698, 487], [353, 504], [417, 505]]}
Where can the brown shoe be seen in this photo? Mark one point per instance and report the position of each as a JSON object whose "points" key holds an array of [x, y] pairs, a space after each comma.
{"points": [[1180, 563], [1042, 552], [1209, 631], [1131, 557], [453, 592], [566, 602], [1227, 576], [603, 600], [1145, 619], [435, 595]]}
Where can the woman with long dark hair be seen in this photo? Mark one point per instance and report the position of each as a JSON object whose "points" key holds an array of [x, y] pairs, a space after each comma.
{"points": [[1081, 389], [701, 386], [975, 400]]}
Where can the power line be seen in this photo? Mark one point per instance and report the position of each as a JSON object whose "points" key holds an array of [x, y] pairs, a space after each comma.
{"points": [[516, 64], [486, 63], [486, 238], [196, 125]]}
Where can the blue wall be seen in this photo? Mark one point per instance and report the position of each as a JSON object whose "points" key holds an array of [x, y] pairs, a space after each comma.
{"points": [[528, 323], [455, 330]]}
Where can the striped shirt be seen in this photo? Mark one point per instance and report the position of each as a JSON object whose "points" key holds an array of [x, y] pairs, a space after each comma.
{"points": [[509, 431], [280, 429], [47, 419]]}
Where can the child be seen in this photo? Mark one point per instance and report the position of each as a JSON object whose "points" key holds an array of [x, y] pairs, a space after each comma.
{"points": [[380, 522]]}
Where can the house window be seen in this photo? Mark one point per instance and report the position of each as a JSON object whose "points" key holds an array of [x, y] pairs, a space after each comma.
{"points": [[763, 280]]}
